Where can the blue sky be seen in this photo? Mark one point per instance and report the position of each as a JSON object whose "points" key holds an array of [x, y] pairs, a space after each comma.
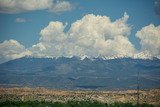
{"points": [[23, 23], [141, 12]]}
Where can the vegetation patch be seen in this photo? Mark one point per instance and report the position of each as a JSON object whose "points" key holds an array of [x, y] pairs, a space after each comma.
{"points": [[68, 104]]}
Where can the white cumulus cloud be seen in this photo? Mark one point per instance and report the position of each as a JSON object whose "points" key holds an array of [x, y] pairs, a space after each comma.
{"points": [[11, 49], [90, 36], [150, 39], [53, 41], [18, 6]]}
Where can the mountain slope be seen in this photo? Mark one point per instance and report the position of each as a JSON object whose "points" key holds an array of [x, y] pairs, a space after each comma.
{"points": [[74, 73]]}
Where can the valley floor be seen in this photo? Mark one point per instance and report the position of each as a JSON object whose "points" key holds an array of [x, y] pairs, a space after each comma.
{"points": [[107, 97]]}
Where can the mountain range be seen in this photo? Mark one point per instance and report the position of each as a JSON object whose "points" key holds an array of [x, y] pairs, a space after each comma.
{"points": [[75, 73]]}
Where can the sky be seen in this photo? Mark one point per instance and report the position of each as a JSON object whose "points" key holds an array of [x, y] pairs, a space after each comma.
{"points": [[84, 28]]}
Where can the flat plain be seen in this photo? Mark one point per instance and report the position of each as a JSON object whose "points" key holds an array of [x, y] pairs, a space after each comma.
{"points": [[151, 96]]}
